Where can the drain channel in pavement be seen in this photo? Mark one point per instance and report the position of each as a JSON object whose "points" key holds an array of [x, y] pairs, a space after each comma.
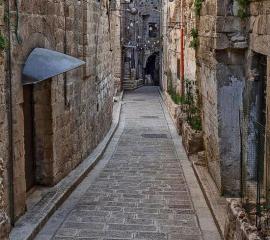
{"points": [[139, 100], [149, 117], [152, 135]]}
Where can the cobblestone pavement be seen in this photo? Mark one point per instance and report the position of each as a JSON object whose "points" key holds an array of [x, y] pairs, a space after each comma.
{"points": [[140, 191]]}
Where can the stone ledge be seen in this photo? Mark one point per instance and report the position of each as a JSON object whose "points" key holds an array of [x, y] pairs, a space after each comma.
{"points": [[174, 110], [192, 139], [238, 226], [27, 227], [215, 202]]}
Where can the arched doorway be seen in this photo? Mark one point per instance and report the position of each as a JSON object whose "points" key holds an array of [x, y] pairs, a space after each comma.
{"points": [[152, 70]]}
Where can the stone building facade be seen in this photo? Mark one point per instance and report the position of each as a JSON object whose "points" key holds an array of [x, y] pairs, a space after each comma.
{"points": [[230, 65], [215, 53], [172, 41], [232, 71], [64, 117], [141, 42], [176, 16]]}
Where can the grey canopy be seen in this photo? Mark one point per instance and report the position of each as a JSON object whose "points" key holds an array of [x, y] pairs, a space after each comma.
{"points": [[43, 64]]}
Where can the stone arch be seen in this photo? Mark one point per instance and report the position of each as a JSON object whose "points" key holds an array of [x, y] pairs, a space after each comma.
{"points": [[152, 68]]}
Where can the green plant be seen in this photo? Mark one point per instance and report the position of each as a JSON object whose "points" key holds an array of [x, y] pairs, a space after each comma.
{"points": [[192, 111], [243, 5], [194, 43], [3, 42], [6, 17], [197, 6], [195, 122], [176, 97]]}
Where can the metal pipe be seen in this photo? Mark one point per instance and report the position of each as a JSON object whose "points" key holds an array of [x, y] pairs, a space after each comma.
{"points": [[10, 125], [65, 52], [182, 57], [182, 62]]}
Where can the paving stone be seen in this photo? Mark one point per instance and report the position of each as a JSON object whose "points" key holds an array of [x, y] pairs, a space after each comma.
{"points": [[63, 238], [131, 227], [82, 225], [152, 236], [105, 234], [139, 221], [140, 193]]}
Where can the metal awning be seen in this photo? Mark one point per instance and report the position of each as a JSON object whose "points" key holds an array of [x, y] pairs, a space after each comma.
{"points": [[43, 64]]}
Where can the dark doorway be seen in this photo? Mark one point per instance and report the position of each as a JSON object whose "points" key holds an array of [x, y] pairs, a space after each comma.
{"points": [[152, 68], [38, 135], [28, 108], [255, 113]]}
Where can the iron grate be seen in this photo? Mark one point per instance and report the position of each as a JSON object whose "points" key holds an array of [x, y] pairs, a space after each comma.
{"points": [[149, 117], [154, 135]]}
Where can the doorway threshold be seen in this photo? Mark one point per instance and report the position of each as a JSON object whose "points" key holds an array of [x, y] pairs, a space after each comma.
{"points": [[35, 195]]}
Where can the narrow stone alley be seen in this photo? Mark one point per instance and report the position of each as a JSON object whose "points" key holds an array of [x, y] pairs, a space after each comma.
{"points": [[142, 188], [135, 119]]}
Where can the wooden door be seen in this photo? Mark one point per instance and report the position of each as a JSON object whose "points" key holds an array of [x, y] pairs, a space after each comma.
{"points": [[29, 137]]}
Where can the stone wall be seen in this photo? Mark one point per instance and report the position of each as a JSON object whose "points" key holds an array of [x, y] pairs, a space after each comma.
{"points": [[190, 22], [208, 86], [79, 102], [221, 63], [175, 111], [173, 42], [228, 76], [4, 142], [217, 66], [258, 25], [116, 25]]}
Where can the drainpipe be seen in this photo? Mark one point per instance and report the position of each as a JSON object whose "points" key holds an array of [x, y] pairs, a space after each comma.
{"points": [[182, 53], [65, 52], [10, 125]]}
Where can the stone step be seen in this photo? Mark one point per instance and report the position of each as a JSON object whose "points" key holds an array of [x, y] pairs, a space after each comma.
{"points": [[129, 82], [132, 85]]}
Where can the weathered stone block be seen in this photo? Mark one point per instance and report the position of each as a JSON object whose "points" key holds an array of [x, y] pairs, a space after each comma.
{"points": [[192, 140], [238, 226], [228, 24]]}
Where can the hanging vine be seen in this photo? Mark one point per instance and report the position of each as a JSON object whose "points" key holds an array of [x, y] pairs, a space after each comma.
{"points": [[194, 43], [197, 6], [3, 42], [243, 8]]}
